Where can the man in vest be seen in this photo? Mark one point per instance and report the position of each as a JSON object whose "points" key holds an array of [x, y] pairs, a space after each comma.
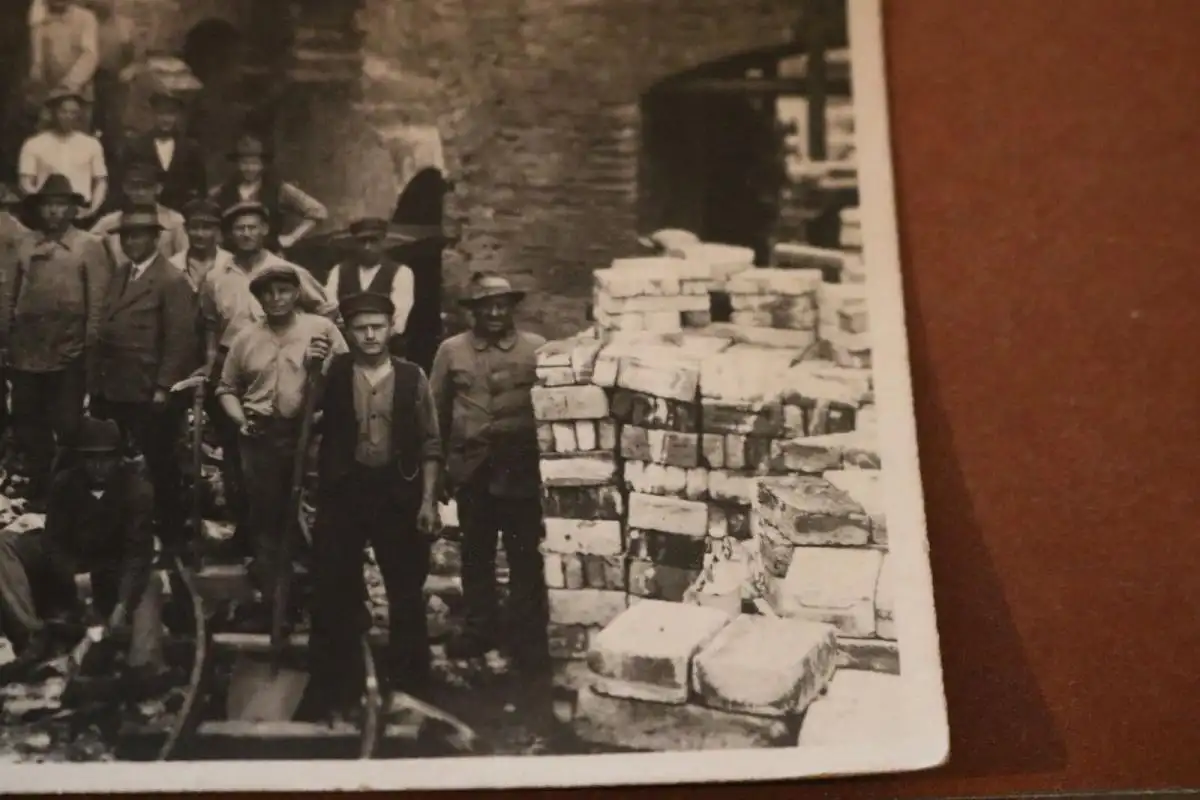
{"points": [[141, 186], [379, 461], [179, 157], [481, 382], [370, 270]]}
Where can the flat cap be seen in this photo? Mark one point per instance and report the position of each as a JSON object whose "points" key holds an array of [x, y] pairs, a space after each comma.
{"points": [[247, 207], [364, 302], [202, 209], [273, 271]]}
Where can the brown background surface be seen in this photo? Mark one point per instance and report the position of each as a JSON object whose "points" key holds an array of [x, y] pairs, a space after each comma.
{"points": [[1047, 157]]}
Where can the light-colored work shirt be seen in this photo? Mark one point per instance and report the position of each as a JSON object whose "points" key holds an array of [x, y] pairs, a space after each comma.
{"points": [[401, 291], [265, 368], [195, 268], [171, 241], [65, 48], [77, 157]]}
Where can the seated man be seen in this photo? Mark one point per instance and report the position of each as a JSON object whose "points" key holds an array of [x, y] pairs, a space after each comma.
{"points": [[99, 520]]}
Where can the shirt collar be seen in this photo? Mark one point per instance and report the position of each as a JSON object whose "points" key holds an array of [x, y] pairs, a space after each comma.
{"points": [[136, 270], [505, 344], [65, 242]]}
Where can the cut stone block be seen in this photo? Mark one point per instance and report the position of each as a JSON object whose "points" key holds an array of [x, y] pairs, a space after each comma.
{"points": [[662, 727], [773, 548], [871, 654], [586, 607], [769, 666], [648, 304], [568, 403], [593, 572], [745, 375], [585, 435], [667, 549], [564, 437], [569, 352], [794, 255], [826, 418], [573, 577], [810, 511], [773, 338], [736, 487], [885, 599], [696, 287], [835, 585], [545, 437], [674, 378], [668, 514], [583, 502], [646, 652], [630, 283], [656, 479], [810, 455], [810, 382], [722, 260], [606, 435], [662, 321], [635, 408], [865, 487], [695, 485], [795, 421], [567, 641], [593, 470], [859, 709], [552, 569], [718, 522], [659, 581], [597, 537], [763, 419], [659, 265], [712, 450], [772, 280], [555, 376], [669, 448], [739, 520], [793, 317]]}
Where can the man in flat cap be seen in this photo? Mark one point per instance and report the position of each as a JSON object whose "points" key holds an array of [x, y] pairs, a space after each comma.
{"points": [[481, 381], [179, 157], [379, 460], [51, 304], [141, 186], [371, 270], [262, 390], [100, 521], [63, 149], [227, 307], [147, 344], [202, 225]]}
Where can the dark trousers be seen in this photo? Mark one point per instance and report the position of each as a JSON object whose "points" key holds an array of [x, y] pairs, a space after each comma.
{"points": [[481, 516], [155, 433], [231, 458], [267, 464], [369, 506], [47, 408]]}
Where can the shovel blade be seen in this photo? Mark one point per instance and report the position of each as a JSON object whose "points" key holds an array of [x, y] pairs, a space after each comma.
{"points": [[261, 692]]}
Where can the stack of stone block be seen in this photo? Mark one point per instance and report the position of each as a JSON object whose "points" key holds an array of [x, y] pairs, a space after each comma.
{"points": [[657, 294], [776, 298], [670, 676], [850, 237], [841, 300]]}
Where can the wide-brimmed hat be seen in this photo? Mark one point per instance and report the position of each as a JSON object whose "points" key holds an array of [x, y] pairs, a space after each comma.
{"points": [[246, 207], [484, 285], [57, 186], [250, 145], [201, 209], [60, 93], [273, 271], [97, 436], [364, 302], [369, 226], [139, 218]]}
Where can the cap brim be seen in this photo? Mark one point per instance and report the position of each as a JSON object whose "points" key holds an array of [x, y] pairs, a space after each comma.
{"points": [[98, 449], [146, 227], [516, 295]]}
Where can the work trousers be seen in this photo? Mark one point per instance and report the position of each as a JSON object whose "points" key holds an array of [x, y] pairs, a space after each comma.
{"points": [[370, 506], [155, 433], [30, 592], [231, 458], [481, 516], [46, 408], [268, 459]]}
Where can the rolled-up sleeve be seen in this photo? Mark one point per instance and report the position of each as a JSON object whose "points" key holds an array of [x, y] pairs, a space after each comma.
{"points": [[297, 200], [230, 381], [430, 431]]}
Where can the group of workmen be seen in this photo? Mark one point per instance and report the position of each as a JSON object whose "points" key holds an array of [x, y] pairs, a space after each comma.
{"points": [[102, 315]]}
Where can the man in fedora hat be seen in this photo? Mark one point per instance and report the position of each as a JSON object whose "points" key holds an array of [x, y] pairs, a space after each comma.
{"points": [[379, 460], [147, 344], [99, 521], [64, 149], [179, 158], [51, 303], [371, 270], [227, 307], [262, 390], [255, 180], [481, 381], [141, 186]]}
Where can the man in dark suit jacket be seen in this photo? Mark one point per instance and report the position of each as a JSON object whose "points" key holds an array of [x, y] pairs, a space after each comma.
{"points": [[185, 175], [147, 344]]}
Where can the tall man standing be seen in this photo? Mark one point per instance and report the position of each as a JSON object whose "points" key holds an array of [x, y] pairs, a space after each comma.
{"points": [[142, 185], [379, 461], [63, 149], [147, 344], [370, 270], [481, 381], [262, 390], [51, 301], [179, 158]]}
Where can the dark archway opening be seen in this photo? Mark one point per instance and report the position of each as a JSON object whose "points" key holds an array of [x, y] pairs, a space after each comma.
{"points": [[211, 50], [419, 210], [17, 120]]}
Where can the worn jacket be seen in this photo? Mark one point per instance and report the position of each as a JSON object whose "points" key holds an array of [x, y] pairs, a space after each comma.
{"points": [[482, 393], [113, 533], [51, 299], [184, 179], [148, 334]]}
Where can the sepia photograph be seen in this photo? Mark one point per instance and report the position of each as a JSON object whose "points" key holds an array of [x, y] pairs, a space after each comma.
{"points": [[522, 384]]}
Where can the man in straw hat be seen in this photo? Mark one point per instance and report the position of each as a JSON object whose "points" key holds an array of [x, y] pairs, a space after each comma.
{"points": [[147, 344], [481, 381], [178, 157], [64, 150], [51, 304], [100, 521], [227, 307], [255, 180], [379, 461], [141, 186], [371, 270], [262, 390]]}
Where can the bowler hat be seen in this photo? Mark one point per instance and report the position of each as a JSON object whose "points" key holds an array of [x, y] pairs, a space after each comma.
{"points": [[57, 186], [60, 93], [488, 284], [97, 436], [201, 209], [364, 302], [246, 207], [369, 226], [137, 218], [250, 145], [270, 272]]}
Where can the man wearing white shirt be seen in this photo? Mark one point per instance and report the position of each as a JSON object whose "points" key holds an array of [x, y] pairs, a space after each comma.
{"points": [[62, 149], [370, 270]]}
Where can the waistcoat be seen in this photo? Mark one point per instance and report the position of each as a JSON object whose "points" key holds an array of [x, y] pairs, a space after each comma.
{"points": [[349, 281]]}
